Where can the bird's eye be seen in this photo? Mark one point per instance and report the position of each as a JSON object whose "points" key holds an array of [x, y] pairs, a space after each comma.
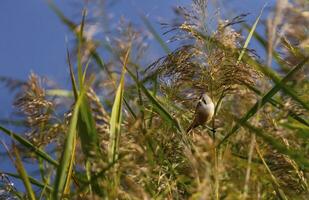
{"points": [[204, 101]]}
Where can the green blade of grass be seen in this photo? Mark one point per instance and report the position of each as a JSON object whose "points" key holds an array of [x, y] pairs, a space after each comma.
{"points": [[100, 62], [62, 170], [73, 27], [276, 79], [29, 146], [296, 155], [278, 105], [79, 50], [155, 34], [115, 129], [23, 174], [281, 62], [116, 116], [302, 131], [273, 76], [32, 180], [60, 93], [263, 42], [85, 70], [73, 81], [264, 99], [67, 185], [62, 17], [97, 176], [86, 124], [157, 105], [80, 37], [252, 30], [87, 130]]}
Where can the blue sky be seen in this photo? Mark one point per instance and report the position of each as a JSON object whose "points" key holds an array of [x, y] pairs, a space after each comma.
{"points": [[33, 38]]}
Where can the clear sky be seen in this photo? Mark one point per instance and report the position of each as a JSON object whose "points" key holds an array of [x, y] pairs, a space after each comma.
{"points": [[32, 38]]}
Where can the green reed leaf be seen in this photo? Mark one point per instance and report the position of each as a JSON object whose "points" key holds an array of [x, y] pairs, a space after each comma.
{"points": [[157, 105], [31, 147], [155, 34], [296, 155], [265, 99], [252, 30], [63, 168], [116, 116], [23, 174]]}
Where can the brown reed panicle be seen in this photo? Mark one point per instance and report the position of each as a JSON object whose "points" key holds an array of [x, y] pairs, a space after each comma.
{"points": [[38, 111], [140, 151], [291, 106], [287, 172], [8, 190], [100, 115], [289, 175], [200, 64]]}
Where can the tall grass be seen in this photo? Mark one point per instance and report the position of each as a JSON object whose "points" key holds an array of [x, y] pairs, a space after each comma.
{"points": [[120, 131]]}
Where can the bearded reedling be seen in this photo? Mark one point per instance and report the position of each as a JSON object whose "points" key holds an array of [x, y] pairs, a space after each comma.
{"points": [[204, 112]]}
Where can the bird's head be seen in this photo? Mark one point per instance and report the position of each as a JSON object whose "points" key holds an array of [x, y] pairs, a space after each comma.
{"points": [[205, 99]]}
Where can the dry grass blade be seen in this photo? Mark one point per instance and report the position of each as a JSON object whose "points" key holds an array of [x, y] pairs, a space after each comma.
{"points": [[249, 166]]}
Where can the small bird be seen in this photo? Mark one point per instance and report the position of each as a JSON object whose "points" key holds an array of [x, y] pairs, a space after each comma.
{"points": [[204, 112]]}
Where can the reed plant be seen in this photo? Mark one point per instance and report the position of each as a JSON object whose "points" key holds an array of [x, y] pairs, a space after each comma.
{"points": [[119, 132]]}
